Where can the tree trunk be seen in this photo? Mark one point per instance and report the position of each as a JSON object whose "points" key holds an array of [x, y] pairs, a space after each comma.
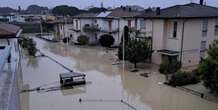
{"points": [[167, 77], [135, 65]]}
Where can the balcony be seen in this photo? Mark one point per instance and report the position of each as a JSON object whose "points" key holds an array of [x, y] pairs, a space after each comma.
{"points": [[109, 31], [75, 30], [141, 33], [91, 28]]}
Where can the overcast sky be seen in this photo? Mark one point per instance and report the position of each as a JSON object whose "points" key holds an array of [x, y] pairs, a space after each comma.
{"points": [[85, 3]]}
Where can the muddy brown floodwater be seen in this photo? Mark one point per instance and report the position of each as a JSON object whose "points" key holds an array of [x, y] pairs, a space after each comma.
{"points": [[107, 83]]}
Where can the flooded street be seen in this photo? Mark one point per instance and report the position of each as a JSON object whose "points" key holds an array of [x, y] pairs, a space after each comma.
{"points": [[107, 84]]}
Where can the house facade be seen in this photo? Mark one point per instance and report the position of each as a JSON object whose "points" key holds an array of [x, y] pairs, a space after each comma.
{"points": [[105, 23], [182, 32], [85, 24]]}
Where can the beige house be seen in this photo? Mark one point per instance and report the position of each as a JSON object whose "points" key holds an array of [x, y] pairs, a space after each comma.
{"points": [[182, 32]]}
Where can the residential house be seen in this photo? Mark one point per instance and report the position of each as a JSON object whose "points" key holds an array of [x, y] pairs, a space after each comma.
{"points": [[108, 22], [182, 32], [85, 24], [62, 27]]}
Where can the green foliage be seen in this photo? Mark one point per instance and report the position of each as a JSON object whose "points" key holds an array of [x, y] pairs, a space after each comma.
{"points": [[106, 40], [136, 50], [169, 67], [65, 10], [82, 40], [29, 27], [29, 44], [208, 69], [183, 78], [97, 10]]}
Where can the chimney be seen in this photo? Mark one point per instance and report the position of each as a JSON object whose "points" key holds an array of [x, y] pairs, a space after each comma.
{"points": [[158, 11], [201, 2]]}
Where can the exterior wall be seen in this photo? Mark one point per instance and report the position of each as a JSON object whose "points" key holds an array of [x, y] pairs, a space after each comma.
{"points": [[162, 39], [104, 26], [64, 30], [171, 43], [157, 40], [145, 26], [192, 40]]}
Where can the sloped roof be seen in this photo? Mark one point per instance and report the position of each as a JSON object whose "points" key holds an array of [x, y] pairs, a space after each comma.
{"points": [[120, 12], [86, 15], [104, 14], [8, 30], [191, 10]]}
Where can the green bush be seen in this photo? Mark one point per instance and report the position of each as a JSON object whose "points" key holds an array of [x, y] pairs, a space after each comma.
{"points": [[169, 67], [183, 78], [82, 40], [106, 40], [208, 69], [29, 44]]}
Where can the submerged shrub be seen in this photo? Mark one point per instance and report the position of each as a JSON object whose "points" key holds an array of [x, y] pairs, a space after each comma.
{"points": [[82, 40], [29, 44], [106, 40], [183, 78]]}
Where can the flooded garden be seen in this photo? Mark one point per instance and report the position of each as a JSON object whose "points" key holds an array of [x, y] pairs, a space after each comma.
{"points": [[108, 87]]}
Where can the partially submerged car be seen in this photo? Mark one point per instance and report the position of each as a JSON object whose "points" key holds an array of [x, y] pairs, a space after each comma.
{"points": [[72, 79]]}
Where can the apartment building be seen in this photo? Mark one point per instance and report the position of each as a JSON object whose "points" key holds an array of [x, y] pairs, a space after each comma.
{"points": [[182, 32]]}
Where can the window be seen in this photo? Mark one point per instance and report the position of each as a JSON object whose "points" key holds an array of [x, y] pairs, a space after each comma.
{"points": [[175, 25], [110, 25], [136, 23], [76, 24], [204, 28], [216, 27], [142, 24], [129, 23], [203, 49]]}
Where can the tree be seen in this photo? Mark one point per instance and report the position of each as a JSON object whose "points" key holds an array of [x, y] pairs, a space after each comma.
{"points": [[106, 40], [29, 44], [208, 69], [136, 50], [65, 10], [97, 10], [82, 40], [35, 9], [168, 67]]}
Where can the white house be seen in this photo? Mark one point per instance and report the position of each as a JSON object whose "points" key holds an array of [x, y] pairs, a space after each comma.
{"points": [[182, 32], [109, 22], [85, 24], [113, 22]]}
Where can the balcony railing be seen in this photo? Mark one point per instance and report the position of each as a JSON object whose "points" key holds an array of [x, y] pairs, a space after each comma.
{"points": [[91, 28], [110, 31], [75, 30]]}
